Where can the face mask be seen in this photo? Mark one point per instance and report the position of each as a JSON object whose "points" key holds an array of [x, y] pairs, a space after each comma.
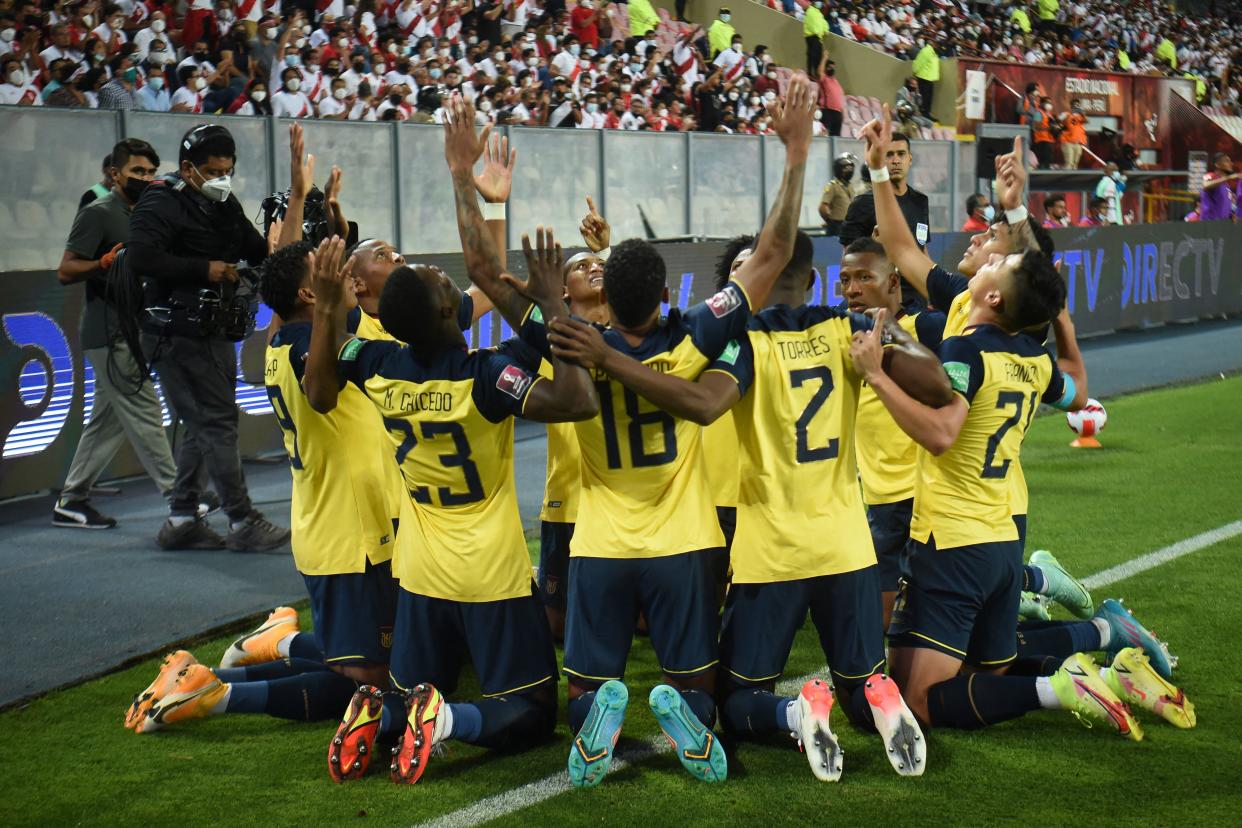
{"points": [[663, 113], [586, 4], [133, 188], [989, 213], [359, 66], [157, 58], [497, 57], [332, 71], [394, 98], [130, 75], [306, 28], [754, 100], [532, 62], [293, 60], [771, 76], [259, 96], [411, 99], [293, 84], [575, 49], [343, 44], [724, 18], [737, 47], [339, 94], [472, 40], [435, 73], [17, 77], [445, 52], [158, 26], [156, 83], [200, 56], [733, 96], [116, 24], [625, 87], [769, 96], [199, 84], [300, 43], [88, 20], [592, 107], [269, 33], [216, 189], [819, 115], [485, 106], [1048, 107]]}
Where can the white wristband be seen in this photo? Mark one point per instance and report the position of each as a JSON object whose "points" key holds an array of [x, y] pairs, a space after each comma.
{"points": [[604, 254], [879, 175], [1017, 215], [492, 212]]}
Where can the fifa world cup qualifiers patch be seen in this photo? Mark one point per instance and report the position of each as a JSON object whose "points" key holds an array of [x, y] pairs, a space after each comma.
{"points": [[351, 348], [959, 375], [724, 303], [513, 381], [536, 315], [730, 353]]}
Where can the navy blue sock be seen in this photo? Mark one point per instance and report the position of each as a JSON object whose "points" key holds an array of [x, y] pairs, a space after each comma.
{"points": [[702, 705], [1034, 666], [467, 722], [1032, 579], [309, 697], [392, 720], [1062, 639], [247, 697], [579, 709], [754, 711], [304, 645], [979, 700], [511, 722], [269, 670]]}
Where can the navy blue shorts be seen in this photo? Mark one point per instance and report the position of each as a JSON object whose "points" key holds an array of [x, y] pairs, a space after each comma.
{"points": [[353, 614], [760, 621], [890, 532], [508, 643], [554, 541], [961, 601], [675, 593], [1019, 521]]}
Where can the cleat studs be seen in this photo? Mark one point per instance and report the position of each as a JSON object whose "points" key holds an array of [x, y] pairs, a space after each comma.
{"points": [[901, 766], [334, 759], [362, 748], [357, 764], [338, 741]]}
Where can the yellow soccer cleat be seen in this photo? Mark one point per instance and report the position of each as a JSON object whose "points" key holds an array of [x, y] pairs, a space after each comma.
{"points": [[172, 666], [195, 695], [1085, 694], [1134, 679], [259, 645]]}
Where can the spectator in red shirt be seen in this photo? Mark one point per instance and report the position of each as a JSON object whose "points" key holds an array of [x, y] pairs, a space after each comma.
{"points": [[831, 95], [584, 22], [979, 214], [1098, 217]]}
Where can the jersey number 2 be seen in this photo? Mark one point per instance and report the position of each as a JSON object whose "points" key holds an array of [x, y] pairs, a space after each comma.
{"points": [[448, 497], [797, 377]]}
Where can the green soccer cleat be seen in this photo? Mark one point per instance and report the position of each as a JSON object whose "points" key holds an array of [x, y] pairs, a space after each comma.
{"points": [[1132, 678], [697, 747], [1063, 587], [1084, 693], [591, 753], [1126, 631], [1033, 608]]}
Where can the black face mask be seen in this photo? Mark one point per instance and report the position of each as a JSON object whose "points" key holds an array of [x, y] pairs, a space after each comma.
{"points": [[830, 71], [359, 67], [200, 56], [395, 98], [404, 67], [134, 188]]}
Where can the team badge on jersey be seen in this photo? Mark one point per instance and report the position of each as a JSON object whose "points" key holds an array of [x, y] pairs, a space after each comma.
{"points": [[724, 303], [513, 381]]}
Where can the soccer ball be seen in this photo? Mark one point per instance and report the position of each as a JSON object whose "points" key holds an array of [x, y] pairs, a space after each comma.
{"points": [[1089, 420]]}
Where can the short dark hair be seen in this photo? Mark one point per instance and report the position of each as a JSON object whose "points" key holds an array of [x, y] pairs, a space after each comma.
{"points": [[1038, 294], [724, 264], [973, 201], [901, 136], [634, 281], [407, 309], [207, 141], [1053, 199], [282, 276], [128, 148], [865, 244], [1043, 239], [801, 260], [1097, 202]]}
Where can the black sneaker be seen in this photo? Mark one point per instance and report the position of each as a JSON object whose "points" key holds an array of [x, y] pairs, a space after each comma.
{"points": [[209, 504], [79, 514], [256, 534], [193, 534]]}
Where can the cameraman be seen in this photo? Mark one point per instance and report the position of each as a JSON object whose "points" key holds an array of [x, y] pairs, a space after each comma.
{"points": [[187, 236]]}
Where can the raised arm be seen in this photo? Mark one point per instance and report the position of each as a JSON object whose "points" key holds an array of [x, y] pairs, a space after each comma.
{"points": [[1011, 188], [571, 394], [701, 401], [330, 282], [462, 147], [301, 179], [1069, 357], [902, 249], [792, 119]]}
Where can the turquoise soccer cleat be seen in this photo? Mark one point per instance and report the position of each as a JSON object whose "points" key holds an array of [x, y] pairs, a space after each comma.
{"points": [[591, 753], [697, 747], [1128, 632]]}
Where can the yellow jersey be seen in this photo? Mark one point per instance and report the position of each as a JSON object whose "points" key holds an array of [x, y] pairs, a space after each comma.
{"points": [[645, 490], [800, 512], [560, 490], [449, 419], [723, 463], [962, 497], [346, 488]]}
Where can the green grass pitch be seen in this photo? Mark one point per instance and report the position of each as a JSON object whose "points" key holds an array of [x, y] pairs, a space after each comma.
{"points": [[1171, 468]]}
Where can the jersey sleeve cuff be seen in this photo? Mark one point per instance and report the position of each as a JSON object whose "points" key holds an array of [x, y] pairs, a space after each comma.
{"points": [[749, 305]]}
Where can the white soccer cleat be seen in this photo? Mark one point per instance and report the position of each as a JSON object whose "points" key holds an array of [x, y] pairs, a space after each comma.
{"points": [[904, 744], [815, 735]]}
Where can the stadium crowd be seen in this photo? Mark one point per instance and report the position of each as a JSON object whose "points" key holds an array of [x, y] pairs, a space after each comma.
{"points": [[608, 66]]}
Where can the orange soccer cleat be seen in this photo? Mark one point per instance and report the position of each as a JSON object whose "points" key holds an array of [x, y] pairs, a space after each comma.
{"points": [[260, 644], [172, 666], [195, 695]]}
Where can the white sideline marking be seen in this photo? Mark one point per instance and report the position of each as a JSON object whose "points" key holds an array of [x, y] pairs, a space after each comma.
{"points": [[502, 804]]}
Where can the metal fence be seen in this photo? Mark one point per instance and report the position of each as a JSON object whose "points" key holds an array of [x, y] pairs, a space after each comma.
{"points": [[397, 187]]}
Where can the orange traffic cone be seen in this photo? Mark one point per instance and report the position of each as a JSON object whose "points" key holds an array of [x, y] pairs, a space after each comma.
{"points": [[1086, 442]]}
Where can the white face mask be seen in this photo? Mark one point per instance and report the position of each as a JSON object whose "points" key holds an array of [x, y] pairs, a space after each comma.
{"points": [[339, 94], [199, 84], [269, 32], [724, 18], [306, 28], [485, 106], [259, 97], [445, 52], [343, 44], [300, 43], [217, 189], [157, 58], [532, 62], [497, 57], [158, 26], [380, 68], [88, 20], [754, 100], [8, 34], [663, 113], [17, 77], [472, 40], [733, 96], [293, 84]]}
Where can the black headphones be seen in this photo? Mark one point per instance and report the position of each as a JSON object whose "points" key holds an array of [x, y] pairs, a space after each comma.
{"points": [[198, 135]]}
